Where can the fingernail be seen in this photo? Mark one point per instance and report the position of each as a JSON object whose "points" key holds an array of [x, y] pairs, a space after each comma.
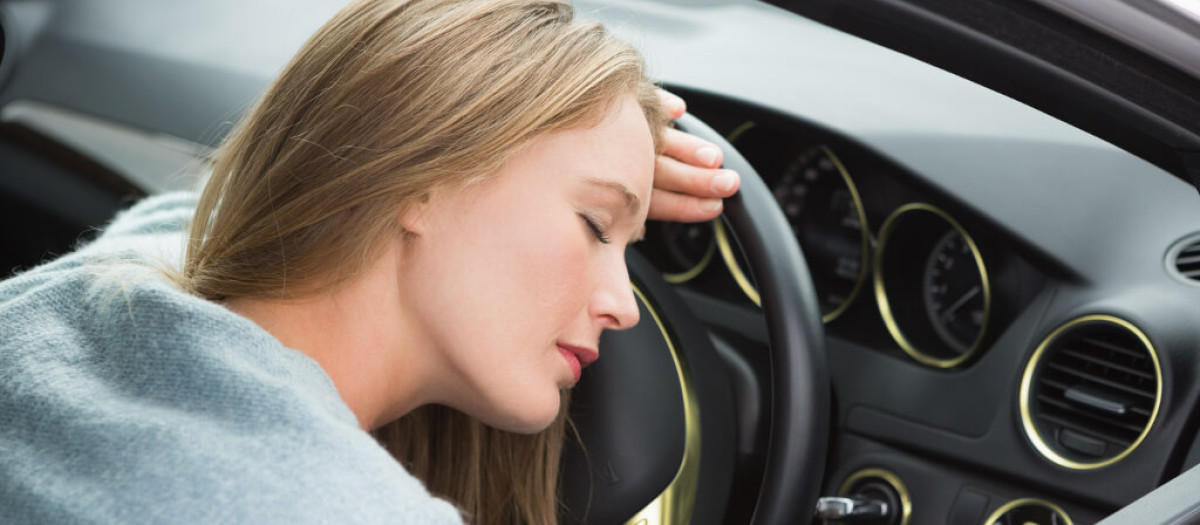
{"points": [[707, 155], [724, 182], [710, 205]]}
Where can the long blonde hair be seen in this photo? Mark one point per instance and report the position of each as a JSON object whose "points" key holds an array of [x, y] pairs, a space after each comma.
{"points": [[390, 99]]}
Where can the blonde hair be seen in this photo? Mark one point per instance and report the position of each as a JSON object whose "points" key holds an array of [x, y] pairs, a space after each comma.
{"points": [[390, 99]]}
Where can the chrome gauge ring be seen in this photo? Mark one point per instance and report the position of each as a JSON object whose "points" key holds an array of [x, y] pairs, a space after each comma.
{"points": [[826, 214], [932, 286]]}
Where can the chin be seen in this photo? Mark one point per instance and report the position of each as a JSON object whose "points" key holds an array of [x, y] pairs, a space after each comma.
{"points": [[529, 416]]}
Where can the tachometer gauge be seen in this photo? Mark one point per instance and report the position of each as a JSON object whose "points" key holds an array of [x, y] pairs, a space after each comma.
{"points": [[932, 286], [953, 287], [822, 204], [820, 200]]}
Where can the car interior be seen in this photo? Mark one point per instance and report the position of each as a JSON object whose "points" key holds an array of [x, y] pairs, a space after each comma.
{"points": [[959, 285]]}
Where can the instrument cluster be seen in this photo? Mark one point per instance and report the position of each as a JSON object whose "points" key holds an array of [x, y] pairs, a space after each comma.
{"points": [[962, 346], [895, 265]]}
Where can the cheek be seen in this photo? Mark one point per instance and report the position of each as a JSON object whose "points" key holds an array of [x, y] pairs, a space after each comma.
{"points": [[525, 272], [552, 262]]}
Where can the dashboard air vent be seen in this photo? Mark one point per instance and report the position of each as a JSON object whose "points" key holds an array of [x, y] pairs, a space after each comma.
{"points": [[1029, 510], [1187, 260], [1090, 392]]}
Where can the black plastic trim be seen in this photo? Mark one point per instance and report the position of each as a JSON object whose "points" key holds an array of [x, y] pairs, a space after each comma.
{"points": [[5, 48]]}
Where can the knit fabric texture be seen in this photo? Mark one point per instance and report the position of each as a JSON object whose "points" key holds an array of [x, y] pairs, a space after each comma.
{"points": [[125, 400]]}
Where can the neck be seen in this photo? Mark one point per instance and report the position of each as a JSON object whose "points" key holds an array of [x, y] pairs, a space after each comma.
{"points": [[357, 334]]}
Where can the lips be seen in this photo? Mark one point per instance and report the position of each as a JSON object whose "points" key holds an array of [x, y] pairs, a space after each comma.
{"points": [[577, 357]]}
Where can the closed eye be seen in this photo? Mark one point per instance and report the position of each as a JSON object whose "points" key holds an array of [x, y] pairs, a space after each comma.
{"points": [[599, 232]]}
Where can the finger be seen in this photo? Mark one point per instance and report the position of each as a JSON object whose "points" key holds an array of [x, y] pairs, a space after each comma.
{"points": [[672, 104], [671, 206], [675, 176], [691, 149]]}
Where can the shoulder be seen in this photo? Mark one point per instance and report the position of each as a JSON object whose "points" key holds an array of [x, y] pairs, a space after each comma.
{"points": [[171, 409], [165, 213], [141, 244], [124, 399], [183, 475], [155, 227]]}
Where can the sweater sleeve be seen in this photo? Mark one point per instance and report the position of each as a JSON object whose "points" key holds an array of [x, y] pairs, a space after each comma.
{"points": [[125, 400]]}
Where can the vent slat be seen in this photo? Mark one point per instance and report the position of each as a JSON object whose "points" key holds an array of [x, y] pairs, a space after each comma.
{"points": [[1099, 418], [1187, 261], [1107, 364], [1113, 347], [1054, 383], [1100, 380], [1186, 257], [1062, 386]]}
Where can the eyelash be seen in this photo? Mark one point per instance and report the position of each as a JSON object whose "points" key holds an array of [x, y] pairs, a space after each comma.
{"points": [[596, 229]]}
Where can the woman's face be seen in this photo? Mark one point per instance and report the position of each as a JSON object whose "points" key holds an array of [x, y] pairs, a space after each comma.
{"points": [[512, 280]]}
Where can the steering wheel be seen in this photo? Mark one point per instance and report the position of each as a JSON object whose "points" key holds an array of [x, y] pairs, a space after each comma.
{"points": [[660, 397]]}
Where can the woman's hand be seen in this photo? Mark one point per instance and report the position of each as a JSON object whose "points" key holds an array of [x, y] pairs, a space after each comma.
{"points": [[688, 182]]}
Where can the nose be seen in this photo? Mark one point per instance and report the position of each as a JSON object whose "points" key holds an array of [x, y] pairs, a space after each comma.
{"points": [[613, 305]]}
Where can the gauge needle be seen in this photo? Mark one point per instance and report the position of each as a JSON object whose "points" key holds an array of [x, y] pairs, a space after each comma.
{"points": [[961, 301]]}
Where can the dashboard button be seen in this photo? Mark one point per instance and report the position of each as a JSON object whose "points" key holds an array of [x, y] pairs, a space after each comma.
{"points": [[968, 508]]}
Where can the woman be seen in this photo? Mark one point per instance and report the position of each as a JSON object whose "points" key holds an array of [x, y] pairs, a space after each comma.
{"points": [[419, 231]]}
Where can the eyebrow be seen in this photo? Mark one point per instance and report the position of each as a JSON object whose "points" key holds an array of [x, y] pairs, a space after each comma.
{"points": [[631, 200]]}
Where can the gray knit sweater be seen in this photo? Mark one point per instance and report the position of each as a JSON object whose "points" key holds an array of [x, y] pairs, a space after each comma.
{"points": [[125, 400]]}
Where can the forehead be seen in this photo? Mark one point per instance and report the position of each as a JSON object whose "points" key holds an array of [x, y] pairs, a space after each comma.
{"points": [[613, 156], [616, 154]]}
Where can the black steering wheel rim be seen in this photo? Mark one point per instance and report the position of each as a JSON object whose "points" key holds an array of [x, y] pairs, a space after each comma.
{"points": [[800, 393]]}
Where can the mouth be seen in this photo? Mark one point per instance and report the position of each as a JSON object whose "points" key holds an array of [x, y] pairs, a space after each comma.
{"points": [[585, 355], [577, 357]]}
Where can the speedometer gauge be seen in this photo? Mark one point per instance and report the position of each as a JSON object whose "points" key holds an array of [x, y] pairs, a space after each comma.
{"points": [[932, 286], [953, 292], [821, 202]]}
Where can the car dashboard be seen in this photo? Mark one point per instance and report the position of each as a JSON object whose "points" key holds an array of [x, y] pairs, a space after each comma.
{"points": [[1008, 302]]}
